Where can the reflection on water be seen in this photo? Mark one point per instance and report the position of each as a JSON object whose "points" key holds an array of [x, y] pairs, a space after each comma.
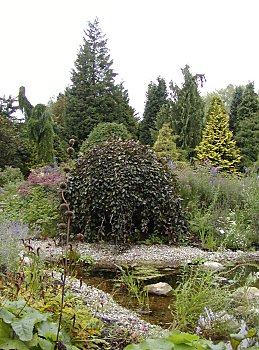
{"points": [[160, 314]]}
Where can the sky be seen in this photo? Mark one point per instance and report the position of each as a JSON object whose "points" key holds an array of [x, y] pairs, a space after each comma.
{"points": [[40, 40]]}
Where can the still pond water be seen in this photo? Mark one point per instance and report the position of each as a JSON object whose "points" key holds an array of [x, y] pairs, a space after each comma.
{"points": [[159, 306]]}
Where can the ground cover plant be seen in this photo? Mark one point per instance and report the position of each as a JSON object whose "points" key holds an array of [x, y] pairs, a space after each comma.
{"points": [[222, 209], [34, 201]]}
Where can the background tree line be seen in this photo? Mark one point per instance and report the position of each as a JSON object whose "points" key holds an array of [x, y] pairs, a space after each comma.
{"points": [[180, 123]]}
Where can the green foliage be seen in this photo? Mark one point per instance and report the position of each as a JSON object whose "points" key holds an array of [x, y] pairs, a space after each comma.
{"points": [[223, 209], [178, 341], [226, 95], [247, 127], [217, 145], [11, 236], [10, 175], [43, 293], [9, 144], [197, 289], [133, 284], [105, 132], [164, 116], [39, 210], [188, 110], [156, 97], [236, 100], [40, 131], [165, 145], [8, 107], [23, 328], [24, 104], [120, 191], [93, 96]]}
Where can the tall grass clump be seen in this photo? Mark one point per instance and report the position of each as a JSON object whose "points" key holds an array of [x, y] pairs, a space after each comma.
{"points": [[197, 290], [222, 208]]}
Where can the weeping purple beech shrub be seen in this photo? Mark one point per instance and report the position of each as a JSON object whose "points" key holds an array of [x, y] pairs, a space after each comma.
{"points": [[121, 192]]}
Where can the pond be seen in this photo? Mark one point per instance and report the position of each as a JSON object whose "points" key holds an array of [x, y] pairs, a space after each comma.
{"points": [[159, 306]]}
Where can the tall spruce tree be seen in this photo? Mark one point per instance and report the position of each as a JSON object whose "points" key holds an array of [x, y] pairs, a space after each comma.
{"points": [[156, 97], [236, 100], [247, 126], [93, 96], [188, 110], [217, 145]]}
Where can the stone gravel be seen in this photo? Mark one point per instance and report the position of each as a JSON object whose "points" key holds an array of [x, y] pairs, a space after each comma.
{"points": [[108, 254]]}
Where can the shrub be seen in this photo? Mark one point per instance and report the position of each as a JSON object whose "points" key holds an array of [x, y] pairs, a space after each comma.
{"points": [[121, 192], [210, 197], [10, 175], [104, 132], [47, 177], [39, 209]]}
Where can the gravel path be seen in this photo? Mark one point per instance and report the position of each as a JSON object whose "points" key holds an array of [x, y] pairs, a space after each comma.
{"points": [[107, 255]]}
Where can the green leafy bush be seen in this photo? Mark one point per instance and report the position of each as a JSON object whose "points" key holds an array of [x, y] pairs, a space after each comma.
{"points": [[121, 192], [10, 175], [39, 210], [104, 132]]}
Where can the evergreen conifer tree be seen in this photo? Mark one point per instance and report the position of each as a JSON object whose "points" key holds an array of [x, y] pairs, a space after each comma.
{"points": [[93, 96], [40, 131], [39, 127], [156, 97], [236, 100], [188, 110], [247, 127], [164, 116], [165, 145], [217, 145]]}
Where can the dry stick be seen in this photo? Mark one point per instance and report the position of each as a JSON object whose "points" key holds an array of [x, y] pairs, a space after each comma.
{"points": [[65, 274]]}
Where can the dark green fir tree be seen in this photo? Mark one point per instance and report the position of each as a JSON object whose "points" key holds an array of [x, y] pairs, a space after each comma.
{"points": [[93, 96], [247, 127], [156, 97], [236, 100], [188, 110]]}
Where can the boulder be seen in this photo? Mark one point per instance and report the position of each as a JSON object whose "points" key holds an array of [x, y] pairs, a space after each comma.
{"points": [[160, 288], [213, 266], [250, 294]]}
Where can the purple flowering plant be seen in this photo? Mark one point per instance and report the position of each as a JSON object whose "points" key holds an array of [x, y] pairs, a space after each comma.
{"points": [[47, 177]]}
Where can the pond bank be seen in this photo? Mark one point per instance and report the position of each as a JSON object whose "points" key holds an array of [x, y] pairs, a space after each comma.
{"points": [[107, 255], [102, 305]]}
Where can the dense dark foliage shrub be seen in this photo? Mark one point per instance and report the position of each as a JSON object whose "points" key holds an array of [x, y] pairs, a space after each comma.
{"points": [[121, 192]]}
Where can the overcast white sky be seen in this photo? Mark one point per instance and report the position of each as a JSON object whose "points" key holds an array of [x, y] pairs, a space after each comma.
{"points": [[147, 38]]}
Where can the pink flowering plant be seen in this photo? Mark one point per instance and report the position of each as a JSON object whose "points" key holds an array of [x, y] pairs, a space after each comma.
{"points": [[47, 177]]}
